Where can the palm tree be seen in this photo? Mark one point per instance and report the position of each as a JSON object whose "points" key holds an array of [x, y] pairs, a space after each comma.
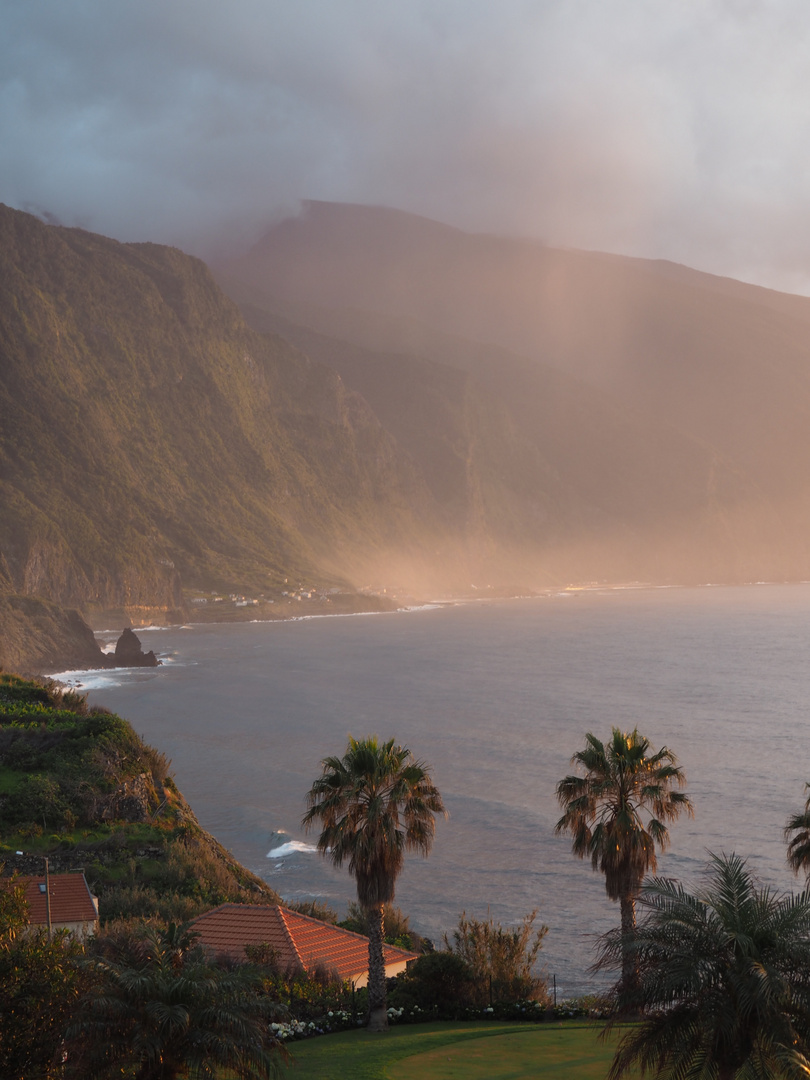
{"points": [[374, 804], [605, 812], [798, 853], [724, 980], [172, 1015]]}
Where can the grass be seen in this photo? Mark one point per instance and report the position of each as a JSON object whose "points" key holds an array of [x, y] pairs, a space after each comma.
{"points": [[10, 780], [446, 1051], [134, 834]]}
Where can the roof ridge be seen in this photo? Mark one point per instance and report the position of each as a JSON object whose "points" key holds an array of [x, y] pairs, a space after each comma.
{"points": [[318, 922], [323, 922], [282, 914]]}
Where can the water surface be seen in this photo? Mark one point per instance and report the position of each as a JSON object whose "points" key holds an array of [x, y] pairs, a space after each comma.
{"points": [[496, 697]]}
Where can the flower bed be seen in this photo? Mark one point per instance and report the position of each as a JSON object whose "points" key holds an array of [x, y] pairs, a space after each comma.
{"points": [[536, 1011]]}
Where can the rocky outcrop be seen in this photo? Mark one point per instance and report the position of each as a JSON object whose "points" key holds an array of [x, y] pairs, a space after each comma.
{"points": [[36, 636], [131, 800], [129, 652]]}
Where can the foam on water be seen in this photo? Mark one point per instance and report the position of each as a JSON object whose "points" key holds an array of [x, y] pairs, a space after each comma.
{"points": [[282, 845], [292, 847], [93, 680], [97, 679]]}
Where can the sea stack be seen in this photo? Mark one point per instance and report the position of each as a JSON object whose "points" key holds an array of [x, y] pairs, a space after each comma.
{"points": [[129, 652]]}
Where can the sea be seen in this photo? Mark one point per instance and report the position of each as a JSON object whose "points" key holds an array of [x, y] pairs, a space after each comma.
{"points": [[495, 697]]}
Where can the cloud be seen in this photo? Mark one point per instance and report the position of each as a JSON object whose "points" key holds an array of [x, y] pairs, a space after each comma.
{"points": [[677, 131]]}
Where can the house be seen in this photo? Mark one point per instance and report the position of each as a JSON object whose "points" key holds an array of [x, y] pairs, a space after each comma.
{"points": [[297, 940], [72, 906]]}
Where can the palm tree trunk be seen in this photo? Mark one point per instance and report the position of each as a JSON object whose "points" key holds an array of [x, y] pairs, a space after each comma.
{"points": [[630, 974], [377, 1013]]}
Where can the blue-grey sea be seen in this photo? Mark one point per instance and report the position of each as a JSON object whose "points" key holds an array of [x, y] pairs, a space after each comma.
{"points": [[496, 697]]}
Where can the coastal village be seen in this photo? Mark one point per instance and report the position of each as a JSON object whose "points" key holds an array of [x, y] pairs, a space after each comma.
{"points": [[299, 593]]}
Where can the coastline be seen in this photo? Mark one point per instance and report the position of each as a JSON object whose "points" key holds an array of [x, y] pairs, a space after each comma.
{"points": [[246, 713], [344, 605]]}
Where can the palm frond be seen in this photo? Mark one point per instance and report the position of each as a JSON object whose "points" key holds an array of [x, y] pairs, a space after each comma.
{"points": [[723, 986]]}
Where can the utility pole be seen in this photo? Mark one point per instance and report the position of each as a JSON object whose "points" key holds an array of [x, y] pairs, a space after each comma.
{"points": [[47, 895]]}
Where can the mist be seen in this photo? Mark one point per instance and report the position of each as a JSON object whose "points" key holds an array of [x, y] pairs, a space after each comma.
{"points": [[573, 416], [673, 132]]}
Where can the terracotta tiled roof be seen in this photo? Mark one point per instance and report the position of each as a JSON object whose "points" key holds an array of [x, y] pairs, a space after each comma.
{"points": [[299, 940], [71, 900]]}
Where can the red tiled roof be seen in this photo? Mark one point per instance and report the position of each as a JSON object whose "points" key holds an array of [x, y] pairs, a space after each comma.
{"points": [[71, 900], [297, 939]]}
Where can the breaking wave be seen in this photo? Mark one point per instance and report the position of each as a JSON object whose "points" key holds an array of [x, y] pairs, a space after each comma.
{"points": [[281, 845]]}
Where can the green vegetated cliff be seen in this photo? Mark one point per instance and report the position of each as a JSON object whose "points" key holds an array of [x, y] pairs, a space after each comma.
{"points": [[665, 408], [78, 785], [152, 444]]}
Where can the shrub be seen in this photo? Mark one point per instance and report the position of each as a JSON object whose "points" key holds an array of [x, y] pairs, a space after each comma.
{"points": [[501, 959], [316, 909], [438, 983], [41, 983], [307, 997], [139, 902], [40, 796], [397, 928]]}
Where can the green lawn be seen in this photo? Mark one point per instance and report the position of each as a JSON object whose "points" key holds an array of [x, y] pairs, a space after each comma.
{"points": [[456, 1051]]}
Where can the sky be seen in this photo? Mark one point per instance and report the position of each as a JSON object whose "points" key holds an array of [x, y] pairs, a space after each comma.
{"points": [[675, 130]]}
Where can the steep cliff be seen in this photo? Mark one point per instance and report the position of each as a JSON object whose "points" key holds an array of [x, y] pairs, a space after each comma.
{"points": [[37, 635], [150, 442]]}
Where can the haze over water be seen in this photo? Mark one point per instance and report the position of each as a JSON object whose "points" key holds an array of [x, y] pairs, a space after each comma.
{"points": [[495, 697]]}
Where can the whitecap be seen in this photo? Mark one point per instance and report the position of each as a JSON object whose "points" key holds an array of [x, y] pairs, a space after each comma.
{"points": [[92, 680], [335, 615], [290, 848]]}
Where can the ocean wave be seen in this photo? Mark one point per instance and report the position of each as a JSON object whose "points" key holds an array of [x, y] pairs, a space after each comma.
{"points": [[94, 680], [292, 847], [326, 615], [282, 845]]}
